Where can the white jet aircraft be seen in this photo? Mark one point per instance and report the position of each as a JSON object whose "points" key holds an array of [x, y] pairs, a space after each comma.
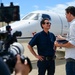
{"points": [[30, 24]]}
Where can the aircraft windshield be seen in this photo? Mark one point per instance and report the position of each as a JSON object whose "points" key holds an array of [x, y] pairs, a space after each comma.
{"points": [[31, 16]]}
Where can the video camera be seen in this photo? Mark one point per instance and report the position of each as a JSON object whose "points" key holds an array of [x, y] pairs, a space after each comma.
{"points": [[9, 54], [9, 13], [9, 47]]}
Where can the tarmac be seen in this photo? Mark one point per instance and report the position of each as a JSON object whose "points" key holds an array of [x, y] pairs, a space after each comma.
{"points": [[59, 62]]}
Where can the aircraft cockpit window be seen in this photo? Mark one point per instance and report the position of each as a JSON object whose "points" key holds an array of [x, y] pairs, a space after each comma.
{"points": [[36, 16], [31, 16], [46, 16]]}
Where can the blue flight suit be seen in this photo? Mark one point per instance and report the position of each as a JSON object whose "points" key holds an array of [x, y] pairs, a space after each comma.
{"points": [[45, 48]]}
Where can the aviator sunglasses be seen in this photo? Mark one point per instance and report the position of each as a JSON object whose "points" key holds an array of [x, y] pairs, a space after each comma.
{"points": [[47, 23]]}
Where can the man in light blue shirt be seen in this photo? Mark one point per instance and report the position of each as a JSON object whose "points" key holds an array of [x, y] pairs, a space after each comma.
{"points": [[70, 45]]}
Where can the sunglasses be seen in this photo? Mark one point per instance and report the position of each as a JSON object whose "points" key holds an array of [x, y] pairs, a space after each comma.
{"points": [[47, 23]]}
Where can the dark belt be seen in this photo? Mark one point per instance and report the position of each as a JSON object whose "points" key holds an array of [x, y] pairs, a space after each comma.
{"points": [[70, 59], [49, 58]]}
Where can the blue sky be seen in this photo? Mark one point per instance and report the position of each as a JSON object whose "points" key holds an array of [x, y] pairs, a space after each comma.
{"points": [[27, 6]]}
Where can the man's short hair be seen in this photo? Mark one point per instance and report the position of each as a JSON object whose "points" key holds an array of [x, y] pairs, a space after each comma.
{"points": [[70, 9]]}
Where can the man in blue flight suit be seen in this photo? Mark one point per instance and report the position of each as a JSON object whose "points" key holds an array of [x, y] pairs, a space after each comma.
{"points": [[44, 41]]}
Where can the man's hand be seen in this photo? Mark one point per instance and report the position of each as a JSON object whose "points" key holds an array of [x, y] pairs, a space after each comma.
{"points": [[57, 44], [59, 37], [20, 68]]}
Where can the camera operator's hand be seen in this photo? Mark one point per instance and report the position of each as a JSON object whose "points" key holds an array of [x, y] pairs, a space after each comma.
{"points": [[20, 68]]}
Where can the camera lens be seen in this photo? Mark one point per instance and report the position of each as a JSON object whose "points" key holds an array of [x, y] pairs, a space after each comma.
{"points": [[16, 48]]}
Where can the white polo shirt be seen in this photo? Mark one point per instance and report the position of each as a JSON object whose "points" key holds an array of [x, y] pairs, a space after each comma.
{"points": [[70, 52]]}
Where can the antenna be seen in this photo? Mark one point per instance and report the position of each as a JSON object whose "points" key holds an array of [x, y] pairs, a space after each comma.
{"points": [[2, 5], [11, 4]]}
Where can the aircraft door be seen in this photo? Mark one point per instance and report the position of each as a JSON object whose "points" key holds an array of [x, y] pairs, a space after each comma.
{"points": [[65, 26]]}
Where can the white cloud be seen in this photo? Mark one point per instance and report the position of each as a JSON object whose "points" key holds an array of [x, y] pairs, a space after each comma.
{"points": [[71, 3], [36, 7], [60, 8]]}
